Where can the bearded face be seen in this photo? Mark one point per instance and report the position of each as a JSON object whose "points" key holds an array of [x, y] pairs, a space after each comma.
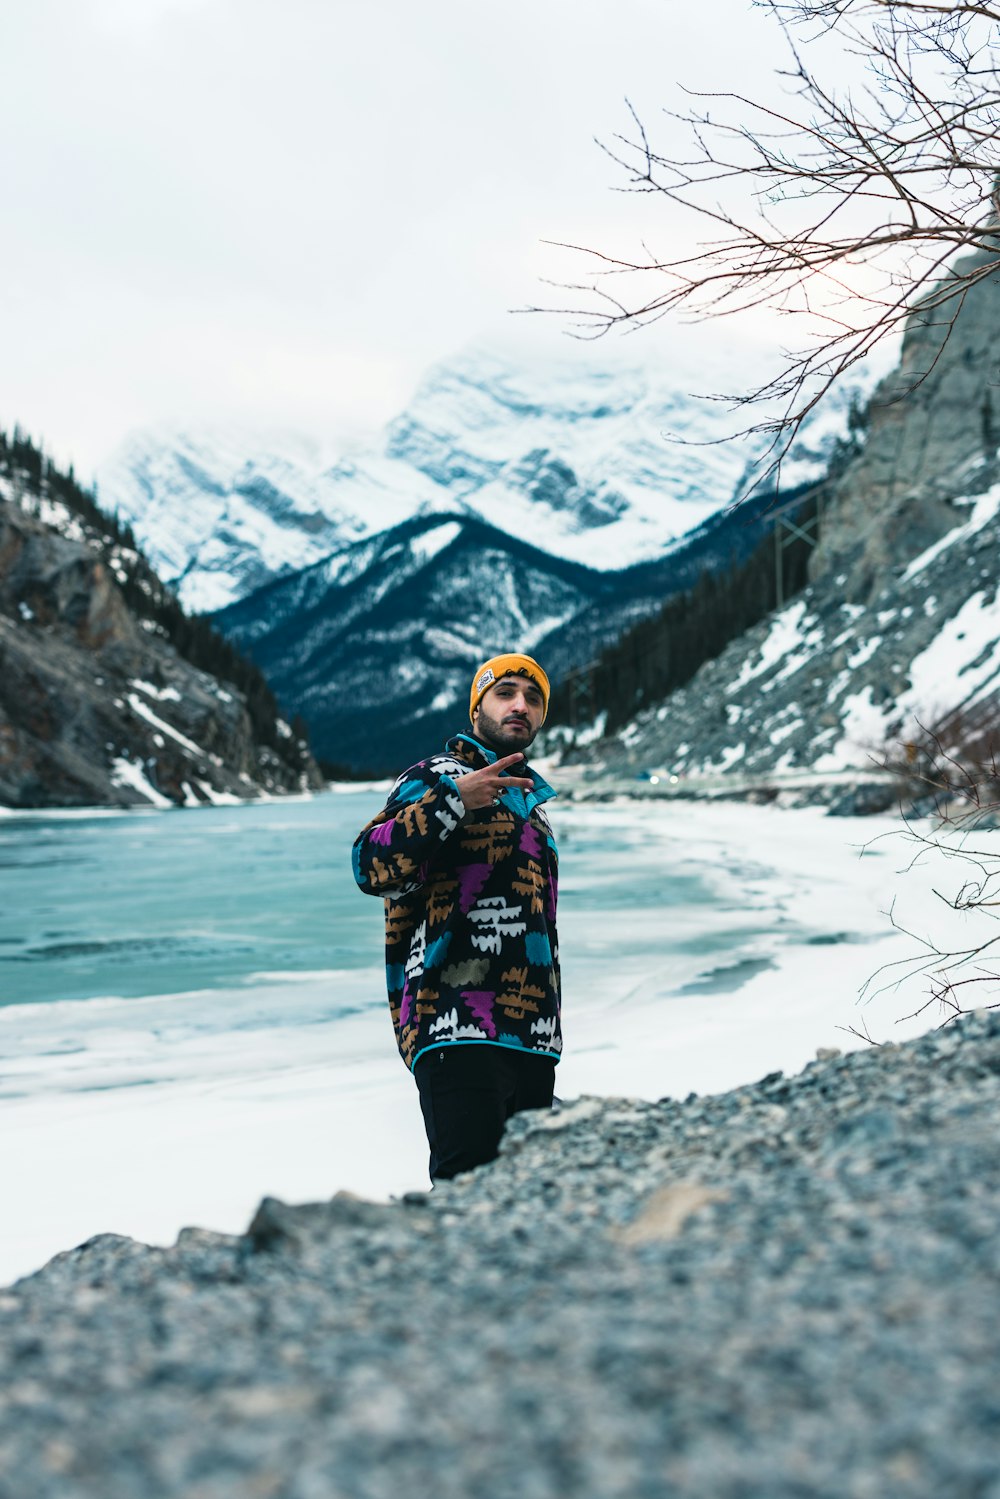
{"points": [[509, 714]]}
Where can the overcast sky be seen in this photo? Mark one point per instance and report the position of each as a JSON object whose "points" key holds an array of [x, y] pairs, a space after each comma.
{"points": [[282, 211]]}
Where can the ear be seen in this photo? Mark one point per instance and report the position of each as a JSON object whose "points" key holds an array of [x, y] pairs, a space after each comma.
{"points": [[475, 715]]}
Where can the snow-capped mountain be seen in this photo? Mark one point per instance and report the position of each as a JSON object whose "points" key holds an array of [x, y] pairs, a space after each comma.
{"points": [[220, 512], [376, 645], [602, 466]]}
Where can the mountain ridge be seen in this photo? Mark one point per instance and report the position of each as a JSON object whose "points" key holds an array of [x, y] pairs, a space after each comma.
{"points": [[577, 459], [342, 635]]}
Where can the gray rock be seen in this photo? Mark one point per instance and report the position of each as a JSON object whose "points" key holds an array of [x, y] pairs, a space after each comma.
{"points": [[933, 431], [786, 1290]]}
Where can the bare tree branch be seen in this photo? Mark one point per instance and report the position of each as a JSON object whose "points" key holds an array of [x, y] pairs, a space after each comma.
{"points": [[954, 767], [856, 204]]}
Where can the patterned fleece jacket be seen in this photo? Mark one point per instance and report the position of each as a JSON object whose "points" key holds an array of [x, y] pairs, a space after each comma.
{"points": [[470, 909]]}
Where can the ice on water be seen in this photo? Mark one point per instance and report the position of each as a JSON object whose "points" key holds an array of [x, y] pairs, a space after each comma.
{"points": [[192, 1006]]}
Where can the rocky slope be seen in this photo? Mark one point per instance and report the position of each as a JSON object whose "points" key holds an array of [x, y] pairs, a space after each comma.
{"points": [[899, 630], [100, 703], [826, 685], [785, 1291]]}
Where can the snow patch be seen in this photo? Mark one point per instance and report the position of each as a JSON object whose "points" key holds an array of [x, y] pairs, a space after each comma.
{"points": [[162, 694], [593, 731], [130, 773], [218, 798], [144, 711], [865, 732], [777, 735], [965, 652], [431, 542], [782, 637], [725, 760], [984, 509], [864, 652]]}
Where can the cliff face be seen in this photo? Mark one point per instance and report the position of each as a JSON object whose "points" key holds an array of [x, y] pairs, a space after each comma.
{"points": [[933, 434], [97, 706]]}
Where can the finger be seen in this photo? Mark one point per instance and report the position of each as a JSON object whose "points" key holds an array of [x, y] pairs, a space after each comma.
{"points": [[507, 760], [509, 781]]}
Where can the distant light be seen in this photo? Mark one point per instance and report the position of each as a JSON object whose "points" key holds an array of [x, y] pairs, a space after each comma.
{"points": [[654, 780], [673, 780]]}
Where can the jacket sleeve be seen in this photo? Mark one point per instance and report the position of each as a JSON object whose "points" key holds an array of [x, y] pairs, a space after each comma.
{"points": [[391, 853]]}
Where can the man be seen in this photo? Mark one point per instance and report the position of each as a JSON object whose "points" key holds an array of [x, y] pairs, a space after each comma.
{"points": [[464, 857]]}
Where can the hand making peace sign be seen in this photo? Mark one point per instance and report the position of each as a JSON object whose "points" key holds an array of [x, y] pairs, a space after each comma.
{"points": [[482, 787]]}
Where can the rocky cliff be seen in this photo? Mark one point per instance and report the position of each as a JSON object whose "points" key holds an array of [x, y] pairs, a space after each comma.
{"points": [[101, 702], [898, 632], [784, 1292], [826, 686], [933, 431]]}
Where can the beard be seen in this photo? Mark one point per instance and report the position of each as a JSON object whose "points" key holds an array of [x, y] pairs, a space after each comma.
{"points": [[500, 736]]}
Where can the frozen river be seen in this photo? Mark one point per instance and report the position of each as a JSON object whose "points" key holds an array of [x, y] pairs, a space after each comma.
{"points": [[192, 1010]]}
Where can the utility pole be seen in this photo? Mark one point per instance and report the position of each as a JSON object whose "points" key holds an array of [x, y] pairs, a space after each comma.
{"points": [[787, 530]]}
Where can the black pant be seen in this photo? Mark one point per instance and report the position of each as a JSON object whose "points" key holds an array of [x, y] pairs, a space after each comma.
{"points": [[468, 1092]]}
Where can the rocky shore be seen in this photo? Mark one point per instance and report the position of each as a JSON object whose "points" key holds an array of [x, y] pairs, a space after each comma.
{"points": [[787, 1290], [843, 794]]}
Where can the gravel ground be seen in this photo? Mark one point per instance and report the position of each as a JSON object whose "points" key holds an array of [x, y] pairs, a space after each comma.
{"points": [[787, 1290]]}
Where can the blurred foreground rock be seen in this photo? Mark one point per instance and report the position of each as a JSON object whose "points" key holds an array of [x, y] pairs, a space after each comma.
{"points": [[787, 1290]]}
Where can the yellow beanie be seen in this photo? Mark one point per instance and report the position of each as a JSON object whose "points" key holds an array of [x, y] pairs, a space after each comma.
{"points": [[498, 666]]}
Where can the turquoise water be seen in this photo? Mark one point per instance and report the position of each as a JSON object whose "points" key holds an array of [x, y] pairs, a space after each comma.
{"points": [[160, 903], [165, 902]]}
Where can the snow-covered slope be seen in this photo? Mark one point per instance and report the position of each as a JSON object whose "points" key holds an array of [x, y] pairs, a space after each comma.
{"points": [[898, 632], [221, 511], [598, 465], [601, 466], [828, 685]]}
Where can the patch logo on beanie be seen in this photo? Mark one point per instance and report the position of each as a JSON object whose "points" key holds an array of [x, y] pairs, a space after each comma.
{"points": [[484, 679]]}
